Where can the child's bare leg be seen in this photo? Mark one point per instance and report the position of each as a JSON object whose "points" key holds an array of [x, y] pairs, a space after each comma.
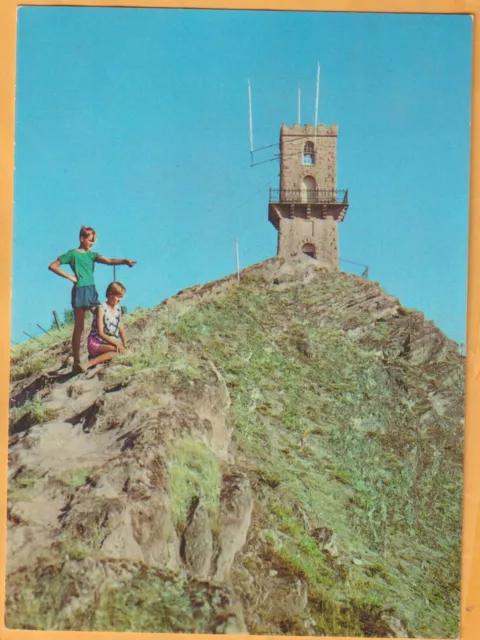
{"points": [[106, 353], [77, 334]]}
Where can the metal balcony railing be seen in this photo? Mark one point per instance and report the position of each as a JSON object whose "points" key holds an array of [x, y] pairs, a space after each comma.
{"points": [[310, 196]]}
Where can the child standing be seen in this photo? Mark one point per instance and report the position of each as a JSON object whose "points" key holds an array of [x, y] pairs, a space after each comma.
{"points": [[107, 337], [84, 294]]}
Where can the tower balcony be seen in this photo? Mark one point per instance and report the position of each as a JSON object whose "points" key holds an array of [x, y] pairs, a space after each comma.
{"points": [[307, 204], [309, 196]]}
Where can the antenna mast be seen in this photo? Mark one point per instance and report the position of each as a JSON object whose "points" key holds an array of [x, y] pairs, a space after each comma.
{"points": [[299, 96], [316, 99], [237, 259]]}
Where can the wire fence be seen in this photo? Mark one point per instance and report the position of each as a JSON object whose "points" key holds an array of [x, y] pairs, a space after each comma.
{"points": [[359, 268]]}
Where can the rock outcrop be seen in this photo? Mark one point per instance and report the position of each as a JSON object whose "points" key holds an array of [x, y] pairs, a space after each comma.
{"points": [[281, 454]]}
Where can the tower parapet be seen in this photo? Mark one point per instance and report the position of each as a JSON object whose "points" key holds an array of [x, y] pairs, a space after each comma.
{"points": [[307, 206]]}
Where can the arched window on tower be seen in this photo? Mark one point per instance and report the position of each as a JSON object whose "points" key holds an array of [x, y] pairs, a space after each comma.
{"points": [[309, 153], [308, 189]]}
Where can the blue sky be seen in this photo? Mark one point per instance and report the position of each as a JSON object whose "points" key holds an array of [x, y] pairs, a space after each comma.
{"points": [[135, 121]]}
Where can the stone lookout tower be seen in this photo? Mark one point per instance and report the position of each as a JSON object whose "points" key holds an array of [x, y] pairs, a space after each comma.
{"points": [[308, 206]]}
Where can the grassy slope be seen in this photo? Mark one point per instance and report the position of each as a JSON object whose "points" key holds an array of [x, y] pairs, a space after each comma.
{"points": [[336, 442], [333, 436]]}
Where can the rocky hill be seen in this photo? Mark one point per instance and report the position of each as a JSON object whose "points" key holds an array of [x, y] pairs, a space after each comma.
{"points": [[276, 455]]}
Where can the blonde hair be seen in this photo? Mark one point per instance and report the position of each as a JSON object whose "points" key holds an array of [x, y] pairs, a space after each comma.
{"points": [[117, 288]]}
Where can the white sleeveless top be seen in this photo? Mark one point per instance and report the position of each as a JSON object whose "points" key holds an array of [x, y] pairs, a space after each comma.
{"points": [[111, 321]]}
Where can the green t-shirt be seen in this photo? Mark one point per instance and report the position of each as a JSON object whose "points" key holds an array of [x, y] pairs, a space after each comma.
{"points": [[82, 264]]}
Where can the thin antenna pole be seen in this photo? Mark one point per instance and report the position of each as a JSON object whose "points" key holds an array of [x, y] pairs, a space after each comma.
{"points": [[299, 102], [316, 98], [250, 118], [114, 273], [238, 261]]}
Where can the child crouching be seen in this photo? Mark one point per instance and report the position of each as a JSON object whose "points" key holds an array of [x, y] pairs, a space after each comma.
{"points": [[107, 336]]}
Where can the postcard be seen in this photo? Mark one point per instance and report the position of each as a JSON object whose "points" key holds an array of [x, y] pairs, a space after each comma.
{"points": [[238, 323]]}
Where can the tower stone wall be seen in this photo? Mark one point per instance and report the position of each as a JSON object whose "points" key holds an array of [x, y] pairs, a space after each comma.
{"points": [[307, 207], [295, 235], [292, 144]]}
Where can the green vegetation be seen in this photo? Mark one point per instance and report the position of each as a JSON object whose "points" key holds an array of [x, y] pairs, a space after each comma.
{"points": [[194, 472], [335, 435], [76, 477], [30, 367], [137, 599], [34, 411], [26, 484], [21, 486], [33, 356], [321, 415], [30, 360], [67, 320], [154, 355]]}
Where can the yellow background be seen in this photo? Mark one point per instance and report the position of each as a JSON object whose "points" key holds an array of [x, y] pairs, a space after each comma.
{"points": [[470, 609]]}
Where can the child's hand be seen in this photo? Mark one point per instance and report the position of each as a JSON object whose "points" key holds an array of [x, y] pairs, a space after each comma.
{"points": [[120, 348], [74, 279], [130, 263]]}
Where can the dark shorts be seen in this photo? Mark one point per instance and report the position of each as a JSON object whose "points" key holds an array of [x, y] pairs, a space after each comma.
{"points": [[85, 297]]}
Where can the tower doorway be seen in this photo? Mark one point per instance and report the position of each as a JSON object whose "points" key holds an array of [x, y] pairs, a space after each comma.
{"points": [[309, 249]]}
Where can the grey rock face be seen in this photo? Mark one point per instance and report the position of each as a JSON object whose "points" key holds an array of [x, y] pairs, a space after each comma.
{"points": [[198, 541]]}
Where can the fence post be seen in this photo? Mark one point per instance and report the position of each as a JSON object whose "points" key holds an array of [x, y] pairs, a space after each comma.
{"points": [[237, 259], [55, 317]]}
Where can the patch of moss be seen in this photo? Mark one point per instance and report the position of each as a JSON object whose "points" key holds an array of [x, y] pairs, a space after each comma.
{"points": [[76, 477], [21, 486], [194, 472]]}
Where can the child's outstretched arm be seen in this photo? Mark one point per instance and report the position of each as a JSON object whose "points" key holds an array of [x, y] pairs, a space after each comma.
{"points": [[115, 261], [55, 267]]}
